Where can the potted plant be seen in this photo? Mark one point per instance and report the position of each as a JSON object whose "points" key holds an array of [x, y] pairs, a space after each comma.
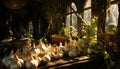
{"points": [[64, 34]]}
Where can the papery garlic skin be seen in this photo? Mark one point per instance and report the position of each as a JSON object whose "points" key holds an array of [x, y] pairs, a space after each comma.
{"points": [[32, 64], [73, 53], [46, 58]]}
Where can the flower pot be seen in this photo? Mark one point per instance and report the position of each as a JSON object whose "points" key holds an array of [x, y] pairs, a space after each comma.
{"points": [[56, 39]]}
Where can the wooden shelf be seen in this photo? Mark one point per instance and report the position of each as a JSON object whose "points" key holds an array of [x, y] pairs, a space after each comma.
{"points": [[83, 62]]}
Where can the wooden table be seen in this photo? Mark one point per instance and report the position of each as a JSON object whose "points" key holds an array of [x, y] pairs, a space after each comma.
{"points": [[80, 62]]}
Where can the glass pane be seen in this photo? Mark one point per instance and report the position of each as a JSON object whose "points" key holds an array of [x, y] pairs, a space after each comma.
{"points": [[112, 18], [87, 12], [71, 19]]}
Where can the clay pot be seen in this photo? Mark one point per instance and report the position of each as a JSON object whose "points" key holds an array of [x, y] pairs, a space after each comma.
{"points": [[56, 39]]}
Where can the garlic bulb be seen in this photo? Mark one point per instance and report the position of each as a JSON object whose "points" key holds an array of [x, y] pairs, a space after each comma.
{"points": [[39, 59], [61, 46], [49, 48], [35, 51], [46, 58], [8, 62], [52, 55], [66, 48], [73, 52], [26, 49], [43, 47], [8, 59], [33, 63], [20, 62], [59, 55], [14, 66]]}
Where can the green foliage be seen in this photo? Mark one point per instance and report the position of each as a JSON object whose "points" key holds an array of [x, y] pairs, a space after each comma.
{"points": [[112, 29], [90, 30], [88, 43], [69, 31]]}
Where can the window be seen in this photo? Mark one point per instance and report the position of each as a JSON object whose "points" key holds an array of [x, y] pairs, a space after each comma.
{"points": [[30, 27], [87, 11], [71, 18], [112, 17]]}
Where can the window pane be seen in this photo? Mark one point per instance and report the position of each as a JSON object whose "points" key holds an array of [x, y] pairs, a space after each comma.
{"points": [[71, 19], [112, 17], [87, 12]]}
